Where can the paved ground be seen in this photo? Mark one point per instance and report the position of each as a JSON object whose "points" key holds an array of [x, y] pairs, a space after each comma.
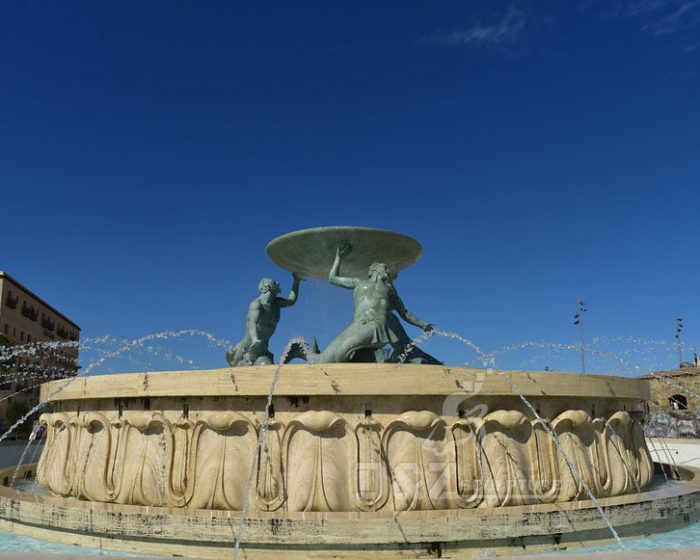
{"points": [[46, 556], [656, 554], [669, 554]]}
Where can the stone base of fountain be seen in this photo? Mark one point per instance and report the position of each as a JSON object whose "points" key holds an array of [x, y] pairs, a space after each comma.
{"points": [[413, 534], [412, 460]]}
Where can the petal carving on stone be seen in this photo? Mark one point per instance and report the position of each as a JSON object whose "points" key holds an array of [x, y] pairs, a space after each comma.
{"points": [[319, 451], [55, 469], [420, 455], [221, 456]]}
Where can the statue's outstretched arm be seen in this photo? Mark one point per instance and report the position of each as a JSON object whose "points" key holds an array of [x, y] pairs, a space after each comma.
{"points": [[406, 315], [333, 277], [291, 299]]}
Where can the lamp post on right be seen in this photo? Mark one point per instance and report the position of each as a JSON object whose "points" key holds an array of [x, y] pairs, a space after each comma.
{"points": [[578, 320], [679, 329]]}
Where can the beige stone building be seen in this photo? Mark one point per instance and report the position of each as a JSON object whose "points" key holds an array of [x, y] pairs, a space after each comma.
{"points": [[675, 391], [27, 323], [674, 407]]}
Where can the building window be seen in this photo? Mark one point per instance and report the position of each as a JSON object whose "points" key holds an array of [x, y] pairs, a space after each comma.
{"points": [[10, 301], [678, 402], [29, 311]]}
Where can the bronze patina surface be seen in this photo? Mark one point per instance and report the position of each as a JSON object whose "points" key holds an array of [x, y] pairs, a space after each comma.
{"points": [[311, 252], [261, 322]]}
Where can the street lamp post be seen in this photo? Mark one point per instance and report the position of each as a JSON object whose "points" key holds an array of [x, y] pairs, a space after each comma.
{"points": [[679, 329], [578, 320]]}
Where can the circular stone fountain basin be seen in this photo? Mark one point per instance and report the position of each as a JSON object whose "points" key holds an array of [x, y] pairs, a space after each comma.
{"points": [[355, 457], [343, 438]]}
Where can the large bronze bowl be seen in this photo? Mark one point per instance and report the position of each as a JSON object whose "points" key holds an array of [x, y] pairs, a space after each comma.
{"points": [[311, 251]]}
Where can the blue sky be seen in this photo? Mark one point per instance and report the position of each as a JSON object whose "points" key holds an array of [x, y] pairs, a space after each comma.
{"points": [[539, 151]]}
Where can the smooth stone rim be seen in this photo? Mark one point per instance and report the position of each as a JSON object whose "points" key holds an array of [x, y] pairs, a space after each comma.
{"points": [[352, 379]]}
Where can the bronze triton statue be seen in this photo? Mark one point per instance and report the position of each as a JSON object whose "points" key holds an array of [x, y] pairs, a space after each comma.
{"points": [[263, 316], [373, 325], [371, 259]]}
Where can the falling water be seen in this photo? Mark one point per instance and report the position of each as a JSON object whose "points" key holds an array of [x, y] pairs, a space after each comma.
{"points": [[37, 447], [663, 470], [660, 424], [569, 462], [20, 391], [261, 435], [7, 354], [413, 344], [32, 437], [126, 346]]}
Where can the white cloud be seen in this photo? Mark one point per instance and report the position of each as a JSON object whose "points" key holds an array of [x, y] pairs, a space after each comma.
{"points": [[659, 17], [505, 29], [681, 17], [642, 7]]}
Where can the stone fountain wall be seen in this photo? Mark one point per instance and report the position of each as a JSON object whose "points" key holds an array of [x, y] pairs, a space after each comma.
{"points": [[340, 441]]}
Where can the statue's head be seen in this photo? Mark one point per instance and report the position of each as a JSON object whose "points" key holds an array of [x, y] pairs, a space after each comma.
{"points": [[379, 271], [268, 285]]}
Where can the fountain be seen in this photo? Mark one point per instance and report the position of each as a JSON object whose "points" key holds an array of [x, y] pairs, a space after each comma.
{"points": [[370, 445]]}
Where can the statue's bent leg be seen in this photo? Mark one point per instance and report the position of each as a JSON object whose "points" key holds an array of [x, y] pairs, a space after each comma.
{"points": [[353, 338], [264, 360], [231, 357], [236, 356]]}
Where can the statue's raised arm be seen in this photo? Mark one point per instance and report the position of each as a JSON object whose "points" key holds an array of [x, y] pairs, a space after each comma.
{"points": [[333, 277], [261, 322], [291, 299]]}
